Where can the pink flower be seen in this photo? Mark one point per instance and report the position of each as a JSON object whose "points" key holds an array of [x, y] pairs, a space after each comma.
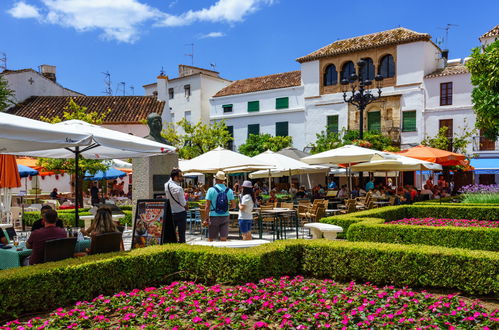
{"points": [[197, 319], [260, 324]]}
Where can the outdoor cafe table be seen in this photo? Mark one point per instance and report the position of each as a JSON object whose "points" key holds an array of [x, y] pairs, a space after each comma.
{"points": [[11, 258], [278, 215]]}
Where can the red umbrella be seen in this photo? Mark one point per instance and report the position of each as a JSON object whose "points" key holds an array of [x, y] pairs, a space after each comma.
{"points": [[9, 175], [442, 157]]}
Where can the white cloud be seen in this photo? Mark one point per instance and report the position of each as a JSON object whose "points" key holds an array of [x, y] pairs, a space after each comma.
{"points": [[212, 35], [229, 11], [23, 10], [123, 20]]}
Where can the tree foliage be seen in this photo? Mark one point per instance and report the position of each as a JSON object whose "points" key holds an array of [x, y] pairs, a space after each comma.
{"points": [[458, 144], [258, 143], [327, 140], [484, 68], [198, 138], [74, 111], [6, 95]]}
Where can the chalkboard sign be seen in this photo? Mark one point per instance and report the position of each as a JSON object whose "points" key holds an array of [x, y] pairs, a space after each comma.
{"points": [[158, 182], [153, 223]]}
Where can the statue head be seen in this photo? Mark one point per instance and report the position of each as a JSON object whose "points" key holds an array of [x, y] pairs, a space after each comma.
{"points": [[155, 123]]}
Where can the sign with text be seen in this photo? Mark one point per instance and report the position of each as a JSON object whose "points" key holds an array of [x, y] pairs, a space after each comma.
{"points": [[153, 223]]}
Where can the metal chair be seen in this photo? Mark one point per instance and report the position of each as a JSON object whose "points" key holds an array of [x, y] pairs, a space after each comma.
{"points": [[59, 249], [107, 242]]}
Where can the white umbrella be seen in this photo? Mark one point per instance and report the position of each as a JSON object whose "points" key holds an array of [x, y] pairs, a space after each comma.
{"points": [[397, 163], [105, 144], [221, 159], [19, 134], [284, 166], [344, 155]]}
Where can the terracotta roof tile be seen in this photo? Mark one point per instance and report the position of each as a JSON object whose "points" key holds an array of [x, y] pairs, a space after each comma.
{"points": [[124, 109], [379, 39], [273, 81], [492, 33], [449, 71]]}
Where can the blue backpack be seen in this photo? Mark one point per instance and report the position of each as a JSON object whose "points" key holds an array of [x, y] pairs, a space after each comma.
{"points": [[222, 204]]}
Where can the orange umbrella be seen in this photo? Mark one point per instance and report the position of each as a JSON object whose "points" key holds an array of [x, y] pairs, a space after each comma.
{"points": [[9, 175], [442, 157]]}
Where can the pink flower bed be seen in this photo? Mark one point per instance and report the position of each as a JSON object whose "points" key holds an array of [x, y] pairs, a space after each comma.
{"points": [[292, 303], [434, 222]]}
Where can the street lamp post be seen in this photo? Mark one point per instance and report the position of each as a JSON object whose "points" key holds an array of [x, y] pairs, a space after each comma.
{"points": [[361, 97]]}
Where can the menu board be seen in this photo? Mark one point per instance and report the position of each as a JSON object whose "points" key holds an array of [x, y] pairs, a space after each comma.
{"points": [[153, 223]]}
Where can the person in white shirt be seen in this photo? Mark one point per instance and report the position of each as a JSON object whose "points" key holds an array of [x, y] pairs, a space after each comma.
{"points": [[246, 204], [175, 194]]}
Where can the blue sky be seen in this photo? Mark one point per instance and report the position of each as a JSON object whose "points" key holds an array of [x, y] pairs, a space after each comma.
{"points": [[133, 39]]}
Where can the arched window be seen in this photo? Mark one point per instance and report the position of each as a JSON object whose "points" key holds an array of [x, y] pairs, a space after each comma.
{"points": [[367, 72], [330, 75], [387, 66], [347, 69]]}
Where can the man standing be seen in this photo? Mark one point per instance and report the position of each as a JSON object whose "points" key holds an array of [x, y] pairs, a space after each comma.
{"points": [[37, 238], [218, 198], [175, 194], [94, 194]]}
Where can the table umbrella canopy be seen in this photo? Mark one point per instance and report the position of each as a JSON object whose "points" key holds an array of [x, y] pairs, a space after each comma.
{"points": [[442, 157], [344, 155], [19, 134], [9, 174], [105, 144], [110, 174], [221, 159], [394, 162], [25, 171], [284, 166]]}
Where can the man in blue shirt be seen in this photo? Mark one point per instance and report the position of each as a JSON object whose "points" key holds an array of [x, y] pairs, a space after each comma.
{"points": [[332, 185], [370, 185], [219, 221]]}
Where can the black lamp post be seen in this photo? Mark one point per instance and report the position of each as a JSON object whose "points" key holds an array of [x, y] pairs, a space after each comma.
{"points": [[363, 96]]}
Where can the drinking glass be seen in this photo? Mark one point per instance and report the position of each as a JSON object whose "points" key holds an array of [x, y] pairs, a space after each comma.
{"points": [[15, 241]]}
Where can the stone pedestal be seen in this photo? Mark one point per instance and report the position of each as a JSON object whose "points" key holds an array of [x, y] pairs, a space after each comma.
{"points": [[150, 175]]}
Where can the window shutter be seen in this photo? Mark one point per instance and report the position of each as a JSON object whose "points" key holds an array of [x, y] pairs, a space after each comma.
{"points": [[282, 103], [253, 129], [332, 124], [253, 106], [374, 121], [227, 108], [281, 128], [409, 121]]}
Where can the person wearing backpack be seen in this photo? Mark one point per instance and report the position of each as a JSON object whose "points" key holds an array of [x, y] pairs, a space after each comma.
{"points": [[218, 199]]}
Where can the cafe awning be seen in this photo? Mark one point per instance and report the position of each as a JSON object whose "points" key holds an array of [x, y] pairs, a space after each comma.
{"points": [[485, 165]]}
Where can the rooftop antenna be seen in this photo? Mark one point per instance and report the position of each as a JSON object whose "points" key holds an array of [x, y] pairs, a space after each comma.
{"points": [[122, 84], [132, 89], [213, 66], [3, 61], [107, 82], [447, 28], [162, 72], [192, 53]]}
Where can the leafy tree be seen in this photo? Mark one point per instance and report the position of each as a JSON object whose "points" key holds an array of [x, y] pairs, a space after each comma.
{"points": [[484, 68], [74, 111], [458, 144], [373, 140], [258, 143], [198, 138], [6, 95]]}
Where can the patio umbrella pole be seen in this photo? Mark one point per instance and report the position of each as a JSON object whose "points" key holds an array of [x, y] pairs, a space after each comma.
{"points": [[77, 186]]}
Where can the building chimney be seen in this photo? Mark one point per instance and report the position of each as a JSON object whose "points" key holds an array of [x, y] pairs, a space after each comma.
{"points": [[48, 71], [445, 54]]}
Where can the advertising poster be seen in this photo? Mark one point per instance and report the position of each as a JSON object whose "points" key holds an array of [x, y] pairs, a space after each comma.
{"points": [[153, 223]]}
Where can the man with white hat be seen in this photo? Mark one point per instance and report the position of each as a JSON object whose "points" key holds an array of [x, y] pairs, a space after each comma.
{"points": [[218, 198]]}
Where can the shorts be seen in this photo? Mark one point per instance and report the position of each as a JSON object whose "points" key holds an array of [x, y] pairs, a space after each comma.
{"points": [[245, 225], [218, 225]]}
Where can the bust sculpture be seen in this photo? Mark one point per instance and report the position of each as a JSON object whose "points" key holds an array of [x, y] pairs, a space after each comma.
{"points": [[155, 124]]}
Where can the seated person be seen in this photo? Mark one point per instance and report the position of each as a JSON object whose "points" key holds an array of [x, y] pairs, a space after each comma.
{"points": [[37, 239], [102, 223], [301, 192], [343, 193], [54, 194], [38, 224], [427, 191], [3, 238], [272, 198]]}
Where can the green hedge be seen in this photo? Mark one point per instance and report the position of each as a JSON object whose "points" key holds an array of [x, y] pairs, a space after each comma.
{"points": [[370, 226], [68, 218], [46, 286]]}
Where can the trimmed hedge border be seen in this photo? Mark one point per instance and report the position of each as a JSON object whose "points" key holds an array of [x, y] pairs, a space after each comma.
{"points": [[50, 285], [68, 217], [370, 226]]}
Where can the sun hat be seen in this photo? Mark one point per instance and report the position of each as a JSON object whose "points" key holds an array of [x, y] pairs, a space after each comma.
{"points": [[247, 184], [220, 175]]}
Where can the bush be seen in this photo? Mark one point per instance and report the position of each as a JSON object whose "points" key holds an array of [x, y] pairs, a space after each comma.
{"points": [[370, 226], [50, 285], [68, 218]]}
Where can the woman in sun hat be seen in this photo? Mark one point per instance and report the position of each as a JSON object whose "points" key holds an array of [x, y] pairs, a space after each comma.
{"points": [[246, 204]]}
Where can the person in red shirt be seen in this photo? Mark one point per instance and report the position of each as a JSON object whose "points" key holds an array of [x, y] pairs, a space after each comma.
{"points": [[37, 239]]}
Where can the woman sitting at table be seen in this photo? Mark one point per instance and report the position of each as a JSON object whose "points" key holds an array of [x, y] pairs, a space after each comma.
{"points": [[102, 223], [38, 224], [272, 198]]}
